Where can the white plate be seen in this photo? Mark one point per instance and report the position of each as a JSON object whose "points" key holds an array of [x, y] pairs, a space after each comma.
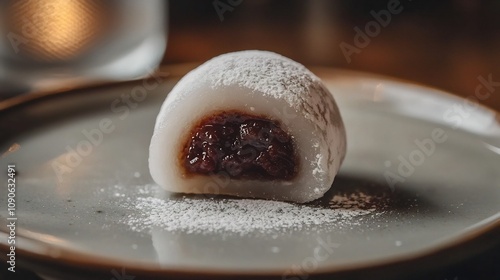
{"points": [[445, 203]]}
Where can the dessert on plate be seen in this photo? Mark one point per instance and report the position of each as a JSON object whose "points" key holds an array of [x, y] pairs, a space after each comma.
{"points": [[249, 124]]}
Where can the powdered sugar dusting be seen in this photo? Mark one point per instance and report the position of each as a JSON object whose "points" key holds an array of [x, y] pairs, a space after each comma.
{"points": [[277, 76], [275, 87], [198, 214], [281, 78]]}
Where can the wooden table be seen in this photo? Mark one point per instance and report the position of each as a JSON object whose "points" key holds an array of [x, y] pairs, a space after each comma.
{"points": [[448, 45]]}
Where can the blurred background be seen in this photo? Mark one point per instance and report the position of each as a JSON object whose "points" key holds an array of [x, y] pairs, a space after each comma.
{"points": [[443, 44], [47, 44]]}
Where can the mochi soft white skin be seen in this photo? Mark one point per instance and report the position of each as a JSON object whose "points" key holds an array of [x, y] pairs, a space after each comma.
{"points": [[257, 83]]}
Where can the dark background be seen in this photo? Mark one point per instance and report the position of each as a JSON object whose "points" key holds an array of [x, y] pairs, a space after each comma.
{"points": [[443, 44]]}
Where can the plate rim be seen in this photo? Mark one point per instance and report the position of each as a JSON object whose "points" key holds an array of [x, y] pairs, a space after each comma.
{"points": [[71, 258]]}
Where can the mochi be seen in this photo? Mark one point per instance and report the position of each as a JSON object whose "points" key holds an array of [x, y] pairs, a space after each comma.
{"points": [[251, 124]]}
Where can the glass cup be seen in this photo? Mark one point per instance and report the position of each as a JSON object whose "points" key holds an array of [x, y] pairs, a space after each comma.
{"points": [[47, 43]]}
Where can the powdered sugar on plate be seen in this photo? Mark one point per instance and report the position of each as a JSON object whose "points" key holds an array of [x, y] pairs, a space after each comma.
{"points": [[199, 214]]}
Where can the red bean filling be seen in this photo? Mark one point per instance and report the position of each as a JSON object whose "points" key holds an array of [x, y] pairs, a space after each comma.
{"points": [[242, 145]]}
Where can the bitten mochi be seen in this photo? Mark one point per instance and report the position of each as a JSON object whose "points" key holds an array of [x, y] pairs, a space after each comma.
{"points": [[250, 124]]}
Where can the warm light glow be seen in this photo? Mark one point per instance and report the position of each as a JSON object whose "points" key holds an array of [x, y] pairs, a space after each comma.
{"points": [[46, 238], [56, 29]]}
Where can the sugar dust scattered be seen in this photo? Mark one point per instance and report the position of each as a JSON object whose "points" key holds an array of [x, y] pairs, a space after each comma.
{"points": [[195, 214]]}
